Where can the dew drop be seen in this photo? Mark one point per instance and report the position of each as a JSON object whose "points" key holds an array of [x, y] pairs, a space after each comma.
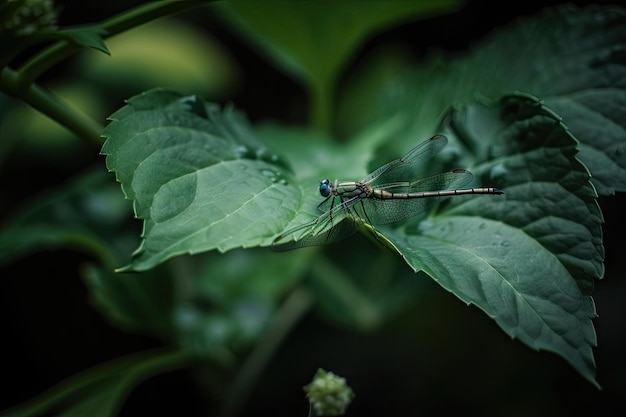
{"points": [[498, 172], [273, 176], [242, 151]]}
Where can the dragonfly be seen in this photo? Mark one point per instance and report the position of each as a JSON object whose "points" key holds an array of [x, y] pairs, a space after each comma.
{"points": [[383, 197]]}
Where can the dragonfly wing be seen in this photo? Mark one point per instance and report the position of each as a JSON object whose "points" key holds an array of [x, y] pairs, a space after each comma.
{"points": [[408, 166], [392, 210], [333, 225], [389, 211], [345, 228], [452, 180]]}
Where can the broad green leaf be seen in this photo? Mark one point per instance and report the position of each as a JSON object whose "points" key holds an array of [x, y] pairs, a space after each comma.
{"points": [[201, 179], [100, 391], [313, 40], [527, 258], [571, 57], [197, 175]]}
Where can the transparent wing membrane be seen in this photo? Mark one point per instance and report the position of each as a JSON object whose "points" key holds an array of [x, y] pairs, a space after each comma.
{"points": [[387, 195]]}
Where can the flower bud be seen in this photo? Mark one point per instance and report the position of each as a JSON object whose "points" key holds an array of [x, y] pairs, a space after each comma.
{"points": [[328, 394]]}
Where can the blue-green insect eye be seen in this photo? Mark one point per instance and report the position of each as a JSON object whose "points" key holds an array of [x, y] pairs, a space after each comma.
{"points": [[325, 187]]}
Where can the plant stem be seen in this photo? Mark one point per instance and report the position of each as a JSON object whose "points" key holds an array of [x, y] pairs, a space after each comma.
{"points": [[129, 370], [21, 83], [129, 19], [321, 105], [50, 105], [361, 311], [294, 307]]}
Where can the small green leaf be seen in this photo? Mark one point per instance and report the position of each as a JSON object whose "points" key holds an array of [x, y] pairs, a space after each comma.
{"points": [[196, 62], [139, 303], [527, 258], [89, 36]]}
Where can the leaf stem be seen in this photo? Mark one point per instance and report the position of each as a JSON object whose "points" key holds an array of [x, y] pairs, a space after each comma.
{"points": [[321, 105], [294, 307], [21, 83], [341, 288], [50, 105], [129, 19], [137, 366]]}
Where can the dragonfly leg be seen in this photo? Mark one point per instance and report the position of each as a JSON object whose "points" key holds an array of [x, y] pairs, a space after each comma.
{"points": [[367, 218], [319, 206]]}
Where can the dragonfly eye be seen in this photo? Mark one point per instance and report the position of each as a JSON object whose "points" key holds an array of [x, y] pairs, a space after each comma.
{"points": [[325, 187]]}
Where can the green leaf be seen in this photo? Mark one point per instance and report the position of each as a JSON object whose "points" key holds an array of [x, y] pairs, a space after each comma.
{"points": [[89, 36], [198, 176], [313, 41], [214, 303], [230, 300], [100, 391], [196, 62], [573, 58], [202, 180], [528, 258], [139, 303]]}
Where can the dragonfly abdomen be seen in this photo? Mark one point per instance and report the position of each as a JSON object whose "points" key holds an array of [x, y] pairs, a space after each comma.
{"points": [[384, 195]]}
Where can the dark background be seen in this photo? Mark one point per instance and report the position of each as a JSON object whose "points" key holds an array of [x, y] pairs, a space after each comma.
{"points": [[418, 365]]}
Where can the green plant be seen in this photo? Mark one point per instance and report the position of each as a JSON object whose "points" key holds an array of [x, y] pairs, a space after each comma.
{"points": [[541, 121]]}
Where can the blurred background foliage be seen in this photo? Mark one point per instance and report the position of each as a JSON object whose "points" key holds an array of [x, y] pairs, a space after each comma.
{"points": [[412, 350]]}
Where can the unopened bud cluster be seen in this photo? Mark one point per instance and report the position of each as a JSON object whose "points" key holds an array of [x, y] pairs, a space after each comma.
{"points": [[24, 17], [328, 394]]}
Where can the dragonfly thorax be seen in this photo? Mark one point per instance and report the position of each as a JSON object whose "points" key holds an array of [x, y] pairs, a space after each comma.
{"points": [[325, 187]]}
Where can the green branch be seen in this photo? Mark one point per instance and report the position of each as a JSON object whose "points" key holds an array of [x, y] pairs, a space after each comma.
{"points": [[50, 105], [21, 83], [294, 307], [129, 19]]}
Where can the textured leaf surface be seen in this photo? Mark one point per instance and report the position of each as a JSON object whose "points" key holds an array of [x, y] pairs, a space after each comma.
{"points": [[572, 58], [528, 258], [197, 176], [201, 180]]}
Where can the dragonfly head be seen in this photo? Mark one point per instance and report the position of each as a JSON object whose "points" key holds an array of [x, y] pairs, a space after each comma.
{"points": [[325, 187]]}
